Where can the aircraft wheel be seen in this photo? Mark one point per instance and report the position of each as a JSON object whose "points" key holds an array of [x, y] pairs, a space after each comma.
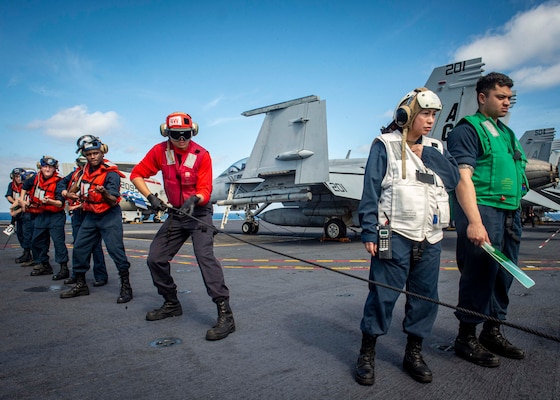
{"points": [[250, 228], [247, 228], [335, 229]]}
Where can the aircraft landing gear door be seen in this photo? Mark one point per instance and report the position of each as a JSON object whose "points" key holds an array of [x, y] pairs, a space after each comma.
{"points": [[250, 228], [335, 229]]}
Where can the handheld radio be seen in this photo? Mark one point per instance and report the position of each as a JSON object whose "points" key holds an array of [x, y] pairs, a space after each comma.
{"points": [[384, 249]]}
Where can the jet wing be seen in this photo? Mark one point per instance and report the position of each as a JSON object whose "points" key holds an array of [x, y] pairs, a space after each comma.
{"points": [[538, 199]]}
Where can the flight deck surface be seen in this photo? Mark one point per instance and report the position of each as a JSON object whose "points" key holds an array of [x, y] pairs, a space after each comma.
{"points": [[297, 325]]}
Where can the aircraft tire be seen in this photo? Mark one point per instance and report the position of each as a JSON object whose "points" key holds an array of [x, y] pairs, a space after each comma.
{"points": [[247, 228], [335, 229]]}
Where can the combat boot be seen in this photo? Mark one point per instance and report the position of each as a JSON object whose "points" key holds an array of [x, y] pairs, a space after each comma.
{"points": [[493, 340], [468, 347], [63, 273], [126, 289], [168, 309], [42, 269], [413, 362], [25, 257], [70, 281], [80, 289], [365, 366], [29, 263], [225, 324]]}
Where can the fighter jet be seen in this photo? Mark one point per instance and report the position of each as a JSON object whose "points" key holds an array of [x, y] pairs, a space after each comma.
{"points": [[289, 163], [539, 145]]}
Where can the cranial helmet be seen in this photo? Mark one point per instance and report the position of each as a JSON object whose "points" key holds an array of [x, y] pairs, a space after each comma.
{"points": [[179, 125], [90, 142], [411, 104], [48, 160], [17, 171], [81, 161]]}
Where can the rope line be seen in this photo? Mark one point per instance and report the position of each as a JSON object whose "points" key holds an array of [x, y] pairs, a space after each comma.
{"points": [[406, 292]]}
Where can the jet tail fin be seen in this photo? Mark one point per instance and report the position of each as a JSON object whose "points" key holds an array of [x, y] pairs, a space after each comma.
{"points": [[455, 86], [537, 143], [292, 140]]}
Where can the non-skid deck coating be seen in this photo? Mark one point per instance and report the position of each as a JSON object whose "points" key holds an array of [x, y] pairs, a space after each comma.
{"points": [[297, 331]]}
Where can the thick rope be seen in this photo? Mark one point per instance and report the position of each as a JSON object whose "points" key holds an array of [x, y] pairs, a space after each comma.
{"points": [[406, 292]]}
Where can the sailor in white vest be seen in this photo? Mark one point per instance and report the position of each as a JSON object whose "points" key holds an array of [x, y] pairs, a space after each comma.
{"points": [[403, 210]]}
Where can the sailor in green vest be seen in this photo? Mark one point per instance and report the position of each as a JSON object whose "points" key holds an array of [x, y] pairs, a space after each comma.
{"points": [[487, 209]]}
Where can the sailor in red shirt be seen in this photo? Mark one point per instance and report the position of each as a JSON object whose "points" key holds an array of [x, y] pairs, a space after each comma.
{"points": [[187, 179]]}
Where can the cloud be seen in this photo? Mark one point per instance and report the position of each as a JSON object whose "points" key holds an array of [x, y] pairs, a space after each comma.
{"points": [[527, 47], [75, 121], [213, 103], [222, 121]]}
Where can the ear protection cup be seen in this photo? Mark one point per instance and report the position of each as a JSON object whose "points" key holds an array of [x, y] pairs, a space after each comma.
{"points": [[403, 114], [163, 130], [195, 129]]}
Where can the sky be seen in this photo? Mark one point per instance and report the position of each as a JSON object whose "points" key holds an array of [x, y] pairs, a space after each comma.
{"points": [[115, 69]]}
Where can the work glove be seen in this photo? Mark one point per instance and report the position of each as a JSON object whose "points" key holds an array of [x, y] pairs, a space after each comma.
{"points": [[156, 204], [188, 206]]}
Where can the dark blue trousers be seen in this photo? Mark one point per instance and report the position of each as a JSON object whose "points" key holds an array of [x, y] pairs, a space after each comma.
{"points": [[106, 226], [49, 225], [99, 266], [484, 285], [420, 278]]}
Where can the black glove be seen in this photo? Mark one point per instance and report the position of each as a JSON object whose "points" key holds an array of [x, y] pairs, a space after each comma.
{"points": [[156, 204], [188, 206]]}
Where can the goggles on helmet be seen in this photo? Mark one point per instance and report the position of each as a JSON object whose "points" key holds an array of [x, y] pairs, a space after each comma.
{"points": [[178, 135], [84, 139], [48, 161], [17, 171], [94, 145]]}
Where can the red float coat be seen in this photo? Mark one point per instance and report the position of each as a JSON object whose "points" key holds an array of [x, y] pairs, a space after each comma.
{"points": [[185, 172], [92, 200]]}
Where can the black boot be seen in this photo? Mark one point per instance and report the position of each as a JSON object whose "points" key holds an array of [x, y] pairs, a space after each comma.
{"points": [[42, 269], [126, 290], [29, 263], [468, 347], [225, 324], [63, 273], [70, 281], [170, 308], [493, 340], [25, 257], [365, 367], [81, 288], [413, 362]]}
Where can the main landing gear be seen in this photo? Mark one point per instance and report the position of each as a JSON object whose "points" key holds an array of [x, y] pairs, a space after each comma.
{"points": [[335, 229]]}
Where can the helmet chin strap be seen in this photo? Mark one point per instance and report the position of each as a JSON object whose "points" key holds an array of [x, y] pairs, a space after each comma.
{"points": [[403, 152]]}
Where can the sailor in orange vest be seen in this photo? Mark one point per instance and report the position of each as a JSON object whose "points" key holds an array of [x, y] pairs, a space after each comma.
{"points": [[99, 192], [12, 195], [48, 204], [77, 214]]}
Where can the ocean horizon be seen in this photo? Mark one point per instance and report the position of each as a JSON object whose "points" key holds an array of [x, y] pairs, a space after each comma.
{"points": [[5, 216]]}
